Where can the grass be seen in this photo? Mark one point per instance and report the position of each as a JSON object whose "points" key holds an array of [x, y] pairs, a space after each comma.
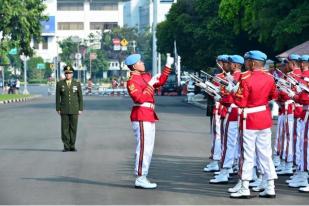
{"points": [[11, 96]]}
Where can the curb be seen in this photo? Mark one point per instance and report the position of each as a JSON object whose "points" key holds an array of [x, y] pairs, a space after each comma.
{"points": [[20, 99]]}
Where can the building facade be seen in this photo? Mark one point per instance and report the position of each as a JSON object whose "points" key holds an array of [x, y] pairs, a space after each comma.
{"points": [[139, 13], [76, 18]]}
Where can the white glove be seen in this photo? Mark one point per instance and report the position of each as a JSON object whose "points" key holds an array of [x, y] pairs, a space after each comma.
{"points": [[291, 94], [230, 87], [235, 88], [229, 77], [217, 98], [201, 84], [154, 79], [298, 89], [169, 61]]}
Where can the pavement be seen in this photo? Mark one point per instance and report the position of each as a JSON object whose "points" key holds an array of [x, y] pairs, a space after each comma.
{"points": [[33, 170]]}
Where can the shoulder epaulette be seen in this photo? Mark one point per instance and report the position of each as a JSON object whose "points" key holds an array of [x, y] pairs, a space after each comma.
{"points": [[266, 72], [130, 77], [245, 76]]}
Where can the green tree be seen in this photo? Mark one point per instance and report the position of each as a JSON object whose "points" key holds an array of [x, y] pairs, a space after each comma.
{"points": [[98, 65], [20, 22], [199, 32], [69, 49], [281, 23], [142, 40], [32, 72]]}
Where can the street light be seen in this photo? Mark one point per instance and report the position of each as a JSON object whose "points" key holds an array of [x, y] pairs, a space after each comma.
{"points": [[24, 58], [77, 40], [154, 38]]}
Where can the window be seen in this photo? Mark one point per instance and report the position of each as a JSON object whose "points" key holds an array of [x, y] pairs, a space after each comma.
{"points": [[143, 17], [70, 26], [45, 42], [70, 5], [35, 44], [102, 25], [99, 5]]}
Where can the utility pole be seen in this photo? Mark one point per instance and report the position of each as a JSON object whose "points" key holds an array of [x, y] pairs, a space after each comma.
{"points": [[25, 58], [154, 38]]}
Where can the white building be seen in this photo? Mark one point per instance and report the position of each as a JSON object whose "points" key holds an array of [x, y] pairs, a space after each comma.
{"points": [[139, 13], [79, 18], [76, 18]]}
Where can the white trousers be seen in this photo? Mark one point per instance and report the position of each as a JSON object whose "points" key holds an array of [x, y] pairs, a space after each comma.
{"points": [[144, 133], [230, 144], [288, 153], [279, 135], [216, 138], [259, 142], [304, 159], [298, 147]]}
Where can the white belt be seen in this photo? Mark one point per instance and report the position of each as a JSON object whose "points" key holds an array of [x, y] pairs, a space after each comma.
{"points": [[290, 101], [146, 104], [231, 107], [254, 109], [286, 106], [251, 110], [229, 112]]}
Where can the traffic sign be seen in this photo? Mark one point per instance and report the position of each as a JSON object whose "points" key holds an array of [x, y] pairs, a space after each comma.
{"points": [[51, 66], [40, 66], [92, 56], [13, 51], [116, 41], [124, 42], [117, 47], [78, 56]]}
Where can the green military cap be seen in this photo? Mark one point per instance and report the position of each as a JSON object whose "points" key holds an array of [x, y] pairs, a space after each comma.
{"points": [[68, 69]]}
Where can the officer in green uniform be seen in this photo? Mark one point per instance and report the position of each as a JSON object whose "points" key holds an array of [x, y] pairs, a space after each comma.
{"points": [[69, 105]]}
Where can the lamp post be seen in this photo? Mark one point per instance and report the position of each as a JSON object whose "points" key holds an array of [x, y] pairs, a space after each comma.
{"points": [[154, 38], [24, 58], [77, 40]]}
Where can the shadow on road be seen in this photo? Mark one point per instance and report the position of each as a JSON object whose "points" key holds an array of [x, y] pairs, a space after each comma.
{"points": [[77, 180], [183, 174], [31, 149]]}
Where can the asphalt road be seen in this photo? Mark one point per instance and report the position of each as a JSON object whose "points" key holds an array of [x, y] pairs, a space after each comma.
{"points": [[33, 170]]}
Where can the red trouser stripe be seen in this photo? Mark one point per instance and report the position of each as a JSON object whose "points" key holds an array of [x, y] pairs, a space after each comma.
{"points": [[280, 138], [241, 159], [141, 151], [214, 133], [225, 143], [288, 139], [306, 146], [294, 140], [283, 138]]}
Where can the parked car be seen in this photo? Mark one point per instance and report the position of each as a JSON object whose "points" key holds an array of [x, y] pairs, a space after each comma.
{"points": [[171, 85]]}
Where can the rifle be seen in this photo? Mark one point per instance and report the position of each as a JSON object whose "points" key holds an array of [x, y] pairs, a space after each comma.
{"points": [[294, 81], [210, 88], [216, 79]]}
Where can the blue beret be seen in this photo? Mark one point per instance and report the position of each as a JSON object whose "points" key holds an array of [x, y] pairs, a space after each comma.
{"points": [[256, 55], [304, 58], [236, 59], [132, 59], [293, 57], [223, 58]]}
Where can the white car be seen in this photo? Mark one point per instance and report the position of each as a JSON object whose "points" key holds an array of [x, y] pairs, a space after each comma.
{"points": [[184, 79], [191, 86]]}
